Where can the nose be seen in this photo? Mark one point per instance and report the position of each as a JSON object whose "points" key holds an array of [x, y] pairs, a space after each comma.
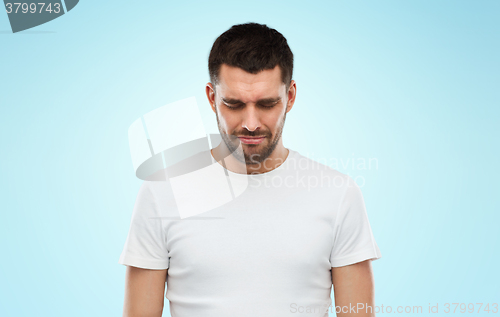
{"points": [[251, 120]]}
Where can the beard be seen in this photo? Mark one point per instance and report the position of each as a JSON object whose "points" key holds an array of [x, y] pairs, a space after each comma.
{"points": [[251, 154]]}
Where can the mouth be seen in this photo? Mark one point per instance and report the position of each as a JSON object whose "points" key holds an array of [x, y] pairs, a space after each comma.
{"points": [[251, 140]]}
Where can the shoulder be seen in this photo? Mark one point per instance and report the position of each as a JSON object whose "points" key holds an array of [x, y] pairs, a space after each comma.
{"points": [[157, 195]]}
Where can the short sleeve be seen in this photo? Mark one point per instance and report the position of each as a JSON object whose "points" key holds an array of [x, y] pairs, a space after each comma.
{"points": [[145, 246], [353, 237]]}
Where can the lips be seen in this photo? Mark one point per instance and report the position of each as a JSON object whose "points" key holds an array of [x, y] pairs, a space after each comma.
{"points": [[251, 140]]}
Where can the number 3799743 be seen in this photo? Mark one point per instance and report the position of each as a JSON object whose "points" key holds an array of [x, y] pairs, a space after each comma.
{"points": [[30, 8]]}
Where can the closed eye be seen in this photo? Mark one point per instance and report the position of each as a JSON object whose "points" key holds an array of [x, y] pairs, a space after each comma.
{"points": [[270, 105], [232, 106]]}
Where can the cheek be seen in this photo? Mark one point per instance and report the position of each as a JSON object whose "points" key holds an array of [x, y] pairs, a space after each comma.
{"points": [[227, 121], [277, 120]]}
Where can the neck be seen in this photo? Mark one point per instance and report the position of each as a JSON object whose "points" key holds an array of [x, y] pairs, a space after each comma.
{"points": [[224, 157]]}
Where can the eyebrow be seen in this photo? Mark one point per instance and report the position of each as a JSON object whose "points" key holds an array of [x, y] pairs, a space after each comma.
{"points": [[232, 101]]}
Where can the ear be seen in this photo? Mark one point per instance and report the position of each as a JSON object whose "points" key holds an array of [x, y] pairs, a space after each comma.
{"points": [[210, 91], [292, 92]]}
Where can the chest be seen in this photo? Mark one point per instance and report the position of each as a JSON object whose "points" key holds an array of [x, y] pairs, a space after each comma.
{"points": [[270, 236]]}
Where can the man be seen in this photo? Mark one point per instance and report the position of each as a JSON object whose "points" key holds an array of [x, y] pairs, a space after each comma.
{"points": [[276, 249]]}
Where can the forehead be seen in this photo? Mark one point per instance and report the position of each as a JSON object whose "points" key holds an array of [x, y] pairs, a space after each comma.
{"points": [[236, 83]]}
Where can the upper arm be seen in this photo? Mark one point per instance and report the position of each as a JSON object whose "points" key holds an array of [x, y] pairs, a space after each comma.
{"points": [[144, 292], [353, 286], [353, 238]]}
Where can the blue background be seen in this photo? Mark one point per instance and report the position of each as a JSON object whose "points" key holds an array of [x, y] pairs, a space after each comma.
{"points": [[412, 84]]}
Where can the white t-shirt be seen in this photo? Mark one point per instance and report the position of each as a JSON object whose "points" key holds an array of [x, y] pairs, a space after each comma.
{"points": [[268, 252]]}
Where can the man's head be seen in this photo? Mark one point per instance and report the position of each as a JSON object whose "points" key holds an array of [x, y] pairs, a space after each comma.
{"points": [[251, 89]]}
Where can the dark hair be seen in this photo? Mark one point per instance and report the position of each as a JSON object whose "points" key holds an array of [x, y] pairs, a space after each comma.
{"points": [[252, 47]]}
